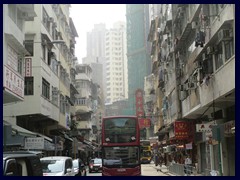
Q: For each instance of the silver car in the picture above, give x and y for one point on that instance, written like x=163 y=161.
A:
x=57 y=166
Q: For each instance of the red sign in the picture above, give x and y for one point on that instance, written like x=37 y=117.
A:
x=182 y=130
x=139 y=103
x=28 y=67
x=143 y=123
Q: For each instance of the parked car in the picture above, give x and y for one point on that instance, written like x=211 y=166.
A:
x=57 y=166
x=79 y=167
x=21 y=163
x=95 y=165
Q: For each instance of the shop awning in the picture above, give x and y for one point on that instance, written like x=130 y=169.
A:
x=45 y=137
x=19 y=130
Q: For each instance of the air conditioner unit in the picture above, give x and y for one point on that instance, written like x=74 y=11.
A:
x=179 y=72
x=50 y=19
x=55 y=89
x=54 y=24
x=225 y=35
x=194 y=25
x=24 y=15
x=210 y=50
x=182 y=95
x=191 y=85
x=59 y=33
x=176 y=56
x=198 y=64
x=182 y=87
x=44 y=42
x=204 y=56
x=180 y=10
x=194 y=78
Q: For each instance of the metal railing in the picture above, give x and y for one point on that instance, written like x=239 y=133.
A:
x=181 y=170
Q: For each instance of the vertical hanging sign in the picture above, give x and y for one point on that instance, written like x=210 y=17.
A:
x=139 y=106
x=28 y=67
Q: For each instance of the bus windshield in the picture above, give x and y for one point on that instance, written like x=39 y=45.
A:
x=120 y=130
x=121 y=156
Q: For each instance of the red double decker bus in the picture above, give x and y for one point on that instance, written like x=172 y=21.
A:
x=121 y=146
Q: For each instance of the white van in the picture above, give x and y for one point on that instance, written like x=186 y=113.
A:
x=57 y=166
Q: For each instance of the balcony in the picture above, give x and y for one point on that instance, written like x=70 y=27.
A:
x=28 y=12
x=83 y=105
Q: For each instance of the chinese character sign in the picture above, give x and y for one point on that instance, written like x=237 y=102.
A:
x=143 y=123
x=34 y=143
x=139 y=103
x=13 y=82
x=182 y=130
x=28 y=67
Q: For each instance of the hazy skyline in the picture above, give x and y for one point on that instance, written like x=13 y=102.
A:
x=86 y=15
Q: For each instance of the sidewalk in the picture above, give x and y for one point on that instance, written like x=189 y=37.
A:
x=164 y=169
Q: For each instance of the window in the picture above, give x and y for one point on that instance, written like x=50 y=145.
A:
x=29 y=46
x=12 y=12
x=62 y=104
x=50 y=55
x=19 y=20
x=45 y=20
x=45 y=89
x=228 y=47
x=44 y=52
x=219 y=57
x=208 y=65
x=20 y=65
x=54 y=66
x=55 y=96
x=16 y=15
x=28 y=86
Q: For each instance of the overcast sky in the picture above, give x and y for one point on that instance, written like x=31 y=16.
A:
x=86 y=15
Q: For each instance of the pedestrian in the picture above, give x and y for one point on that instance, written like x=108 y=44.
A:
x=187 y=166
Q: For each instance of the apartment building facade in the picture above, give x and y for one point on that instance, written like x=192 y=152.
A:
x=193 y=51
x=14 y=19
x=48 y=75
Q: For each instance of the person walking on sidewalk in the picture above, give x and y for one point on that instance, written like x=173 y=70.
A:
x=187 y=166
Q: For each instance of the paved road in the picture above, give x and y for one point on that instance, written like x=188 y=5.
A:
x=147 y=170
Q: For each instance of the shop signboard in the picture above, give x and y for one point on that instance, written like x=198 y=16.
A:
x=144 y=123
x=188 y=146
x=34 y=143
x=182 y=130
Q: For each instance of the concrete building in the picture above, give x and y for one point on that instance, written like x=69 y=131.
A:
x=96 y=52
x=83 y=99
x=116 y=63
x=49 y=75
x=195 y=58
x=14 y=19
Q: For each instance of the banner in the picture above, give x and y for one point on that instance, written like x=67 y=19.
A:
x=139 y=103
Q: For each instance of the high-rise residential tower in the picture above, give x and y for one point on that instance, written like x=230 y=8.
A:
x=116 y=63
